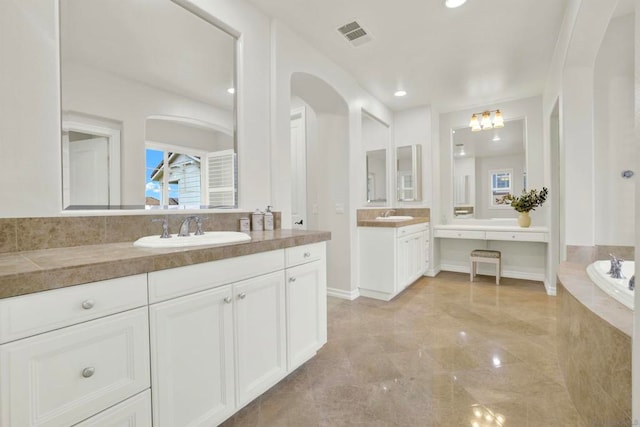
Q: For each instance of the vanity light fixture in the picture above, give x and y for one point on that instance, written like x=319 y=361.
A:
x=454 y=3
x=400 y=93
x=486 y=123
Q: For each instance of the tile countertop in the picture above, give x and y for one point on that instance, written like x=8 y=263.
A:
x=391 y=223
x=40 y=270
x=574 y=279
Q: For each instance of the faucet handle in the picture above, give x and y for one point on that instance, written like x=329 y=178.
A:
x=165 y=227
x=199 y=231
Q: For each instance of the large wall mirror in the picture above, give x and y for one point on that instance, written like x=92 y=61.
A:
x=148 y=111
x=375 y=140
x=486 y=165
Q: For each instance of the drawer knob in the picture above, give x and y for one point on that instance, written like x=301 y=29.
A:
x=88 y=304
x=242 y=295
x=228 y=300
x=88 y=372
x=307 y=254
x=292 y=279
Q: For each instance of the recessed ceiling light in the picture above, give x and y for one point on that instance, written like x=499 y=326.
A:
x=231 y=90
x=454 y=3
x=400 y=93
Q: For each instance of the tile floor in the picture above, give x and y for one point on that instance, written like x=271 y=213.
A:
x=443 y=353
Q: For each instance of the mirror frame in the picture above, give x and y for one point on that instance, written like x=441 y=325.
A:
x=226 y=29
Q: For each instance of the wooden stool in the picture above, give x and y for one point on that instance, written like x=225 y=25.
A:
x=485 y=255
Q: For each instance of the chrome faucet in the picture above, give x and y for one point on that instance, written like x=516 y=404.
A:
x=388 y=213
x=632 y=283
x=165 y=227
x=184 y=227
x=616 y=268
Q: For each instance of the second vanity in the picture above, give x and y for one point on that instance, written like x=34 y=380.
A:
x=186 y=345
x=393 y=254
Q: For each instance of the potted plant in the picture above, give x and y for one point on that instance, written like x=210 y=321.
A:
x=526 y=202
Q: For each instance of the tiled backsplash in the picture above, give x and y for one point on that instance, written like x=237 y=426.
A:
x=587 y=254
x=368 y=214
x=26 y=234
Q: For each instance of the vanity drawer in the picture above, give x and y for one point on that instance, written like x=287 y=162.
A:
x=302 y=254
x=517 y=236
x=175 y=282
x=460 y=234
x=65 y=376
x=135 y=411
x=410 y=229
x=28 y=315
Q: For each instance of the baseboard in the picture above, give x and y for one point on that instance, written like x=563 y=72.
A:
x=432 y=272
x=512 y=274
x=551 y=289
x=341 y=293
x=384 y=296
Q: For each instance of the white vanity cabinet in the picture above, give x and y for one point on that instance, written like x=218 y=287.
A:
x=306 y=287
x=96 y=357
x=215 y=350
x=391 y=258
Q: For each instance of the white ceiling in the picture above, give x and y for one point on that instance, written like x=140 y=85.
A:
x=482 y=52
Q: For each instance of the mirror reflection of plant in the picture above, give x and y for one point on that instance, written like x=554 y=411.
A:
x=527 y=201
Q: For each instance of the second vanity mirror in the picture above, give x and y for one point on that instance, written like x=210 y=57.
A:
x=409 y=173
x=148 y=111
x=375 y=139
x=487 y=164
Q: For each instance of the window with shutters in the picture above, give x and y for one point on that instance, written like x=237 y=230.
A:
x=189 y=179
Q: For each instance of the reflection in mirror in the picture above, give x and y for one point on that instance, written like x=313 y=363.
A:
x=377 y=176
x=166 y=86
x=487 y=165
x=409 y=173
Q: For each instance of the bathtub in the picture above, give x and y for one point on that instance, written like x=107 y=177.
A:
x=618 y=289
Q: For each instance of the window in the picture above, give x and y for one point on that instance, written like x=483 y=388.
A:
x=501 y=184
x=188 y=178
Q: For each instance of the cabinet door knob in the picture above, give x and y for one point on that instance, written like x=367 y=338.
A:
x=242 y=295
x=88 y=372
x=228 y=300
x=307 y=254
x=292 y=279
x=88 y=304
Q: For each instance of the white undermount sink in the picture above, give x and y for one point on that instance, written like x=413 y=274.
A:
x=208 y=238
x=394 y=218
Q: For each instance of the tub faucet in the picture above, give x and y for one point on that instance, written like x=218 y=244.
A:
x=184 y=227
x=632 y=282
x=388 y=213
x=165 y=227
x=616 y=269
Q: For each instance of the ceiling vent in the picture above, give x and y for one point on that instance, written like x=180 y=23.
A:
x=355 y=34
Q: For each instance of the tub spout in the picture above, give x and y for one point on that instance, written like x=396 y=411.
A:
x=632 y=282
x=616 y=268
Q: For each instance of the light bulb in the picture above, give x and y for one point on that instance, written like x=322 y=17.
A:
x=498 y=122
x=474 y=123
x=486 y=121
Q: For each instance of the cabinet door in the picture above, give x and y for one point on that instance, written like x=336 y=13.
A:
x=63 y=377
x=260 y=334
x=192 y=361
x=410 y=264
x=306 y=312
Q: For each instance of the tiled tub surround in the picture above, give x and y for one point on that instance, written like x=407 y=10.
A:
x=585 y=255
x=367 y=217
x=27 y=234
x=594 y=348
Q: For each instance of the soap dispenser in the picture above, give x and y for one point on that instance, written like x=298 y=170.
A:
x=257 y=220
x=268 y=219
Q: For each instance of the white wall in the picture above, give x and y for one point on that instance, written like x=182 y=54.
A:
x=292 y=55
x=614 y=140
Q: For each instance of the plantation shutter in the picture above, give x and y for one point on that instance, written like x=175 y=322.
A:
x=221 y=173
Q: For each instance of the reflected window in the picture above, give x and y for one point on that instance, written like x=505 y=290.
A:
x=501 y=185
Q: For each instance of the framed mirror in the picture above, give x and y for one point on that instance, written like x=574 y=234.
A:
x=487 y=165
x=148 y=111
x=377 y=176
x=409 y=173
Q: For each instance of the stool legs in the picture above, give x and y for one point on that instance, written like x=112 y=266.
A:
x=473 y=267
